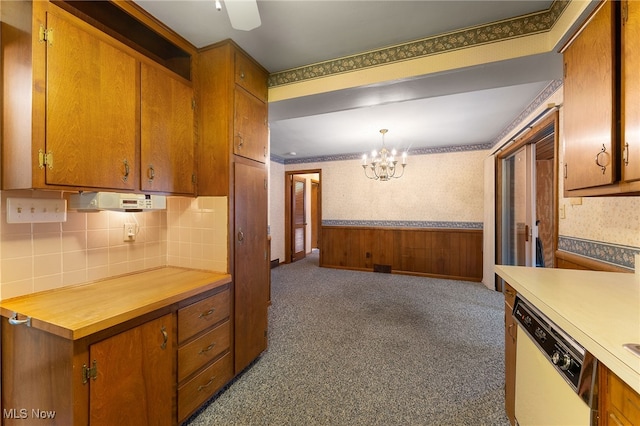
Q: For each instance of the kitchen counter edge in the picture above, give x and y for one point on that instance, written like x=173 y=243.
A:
x=74 y=312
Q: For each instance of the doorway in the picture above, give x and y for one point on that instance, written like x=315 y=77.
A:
x=526 y=223
x=303 y=213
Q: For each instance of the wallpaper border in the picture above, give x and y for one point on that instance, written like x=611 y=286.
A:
x=614 y=254
x=358 y=156
x=494 y=32
x=403 y=224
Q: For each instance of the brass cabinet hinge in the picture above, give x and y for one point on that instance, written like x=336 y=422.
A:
x=45 y=159
x=265 y=184
x=194 y=179
x=193 y=103
x=89 y=372
x=45 y=34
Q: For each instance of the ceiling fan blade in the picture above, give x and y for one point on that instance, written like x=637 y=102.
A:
x=243 y=14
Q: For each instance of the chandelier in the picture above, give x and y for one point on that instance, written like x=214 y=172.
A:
x=382 y=165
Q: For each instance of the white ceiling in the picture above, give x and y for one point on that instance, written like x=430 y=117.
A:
x=465 y=106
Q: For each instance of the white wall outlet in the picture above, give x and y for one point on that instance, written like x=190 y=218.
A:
x=36 y=210
x=130 y=231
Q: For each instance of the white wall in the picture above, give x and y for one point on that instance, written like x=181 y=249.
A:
x=276 y=210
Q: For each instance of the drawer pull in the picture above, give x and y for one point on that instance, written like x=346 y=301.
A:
x=207 y=349
x=602 y=166
x=206 y=384
x=15 y=321
x=613 y=417
x=165 y=337
x=206 y=314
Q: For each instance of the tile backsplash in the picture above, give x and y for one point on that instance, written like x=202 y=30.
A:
x=191 y=233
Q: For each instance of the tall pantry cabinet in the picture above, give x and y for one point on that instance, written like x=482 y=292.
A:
x=232 y=154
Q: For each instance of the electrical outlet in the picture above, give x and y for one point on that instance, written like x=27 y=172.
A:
x=130 y=232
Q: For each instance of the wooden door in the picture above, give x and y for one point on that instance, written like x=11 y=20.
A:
x=167 y=136
x=631 y=91
x=298 y=219
x=135 y=383
x=315 y=214
x=91 y=108
x=251 y=267
x=590 y=104
x=250 y=126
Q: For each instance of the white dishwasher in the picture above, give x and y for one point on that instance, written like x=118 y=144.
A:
x=555 y=376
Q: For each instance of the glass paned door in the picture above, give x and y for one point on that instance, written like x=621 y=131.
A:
x=518 y=205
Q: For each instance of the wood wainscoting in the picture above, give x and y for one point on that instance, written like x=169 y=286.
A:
x=566 y=260
x=435 y=252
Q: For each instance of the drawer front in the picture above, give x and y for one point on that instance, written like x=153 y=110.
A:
x=203 y=314
x=203 y=386
x=251 y=77
x=199 y=352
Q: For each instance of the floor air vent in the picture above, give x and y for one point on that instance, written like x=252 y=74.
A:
x=386 y=269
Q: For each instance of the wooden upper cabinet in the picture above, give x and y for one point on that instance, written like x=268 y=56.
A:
x=251 y=77
x=231 y=115
x=250 y=126
x=590 y=104
x=91 y=127
x=630 y=91
x=72 y=101
x=167 y=139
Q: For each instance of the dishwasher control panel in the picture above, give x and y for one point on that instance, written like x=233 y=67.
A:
x=563 y=352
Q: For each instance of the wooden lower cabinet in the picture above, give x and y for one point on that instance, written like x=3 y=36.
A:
x=619 y=403
x=55 y=381
x=133 y=372
x=156 y=367
x=510 y=336
x=205 y=363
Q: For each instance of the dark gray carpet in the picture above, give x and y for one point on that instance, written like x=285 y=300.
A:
x=363 y=348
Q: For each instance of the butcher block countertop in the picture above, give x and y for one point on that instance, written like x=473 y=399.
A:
x=75 y=312
x=600 y=310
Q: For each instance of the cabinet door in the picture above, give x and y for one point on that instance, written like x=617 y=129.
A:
x=510 y=330
x=135 y=381
x=251 y=77
x=250 y=126
x=250 y=278
x=631 y=91
x=91 y=108
x=167 y=122
x=589 y=104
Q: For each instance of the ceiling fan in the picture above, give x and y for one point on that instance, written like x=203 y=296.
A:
x=243 y=14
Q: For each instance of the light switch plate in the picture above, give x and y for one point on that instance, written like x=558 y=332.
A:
x=36 y=210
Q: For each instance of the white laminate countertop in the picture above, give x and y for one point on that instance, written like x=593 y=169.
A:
x=600 y=310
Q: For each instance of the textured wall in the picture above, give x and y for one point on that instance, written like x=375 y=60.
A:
x=436 y=187
x=603 y=228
